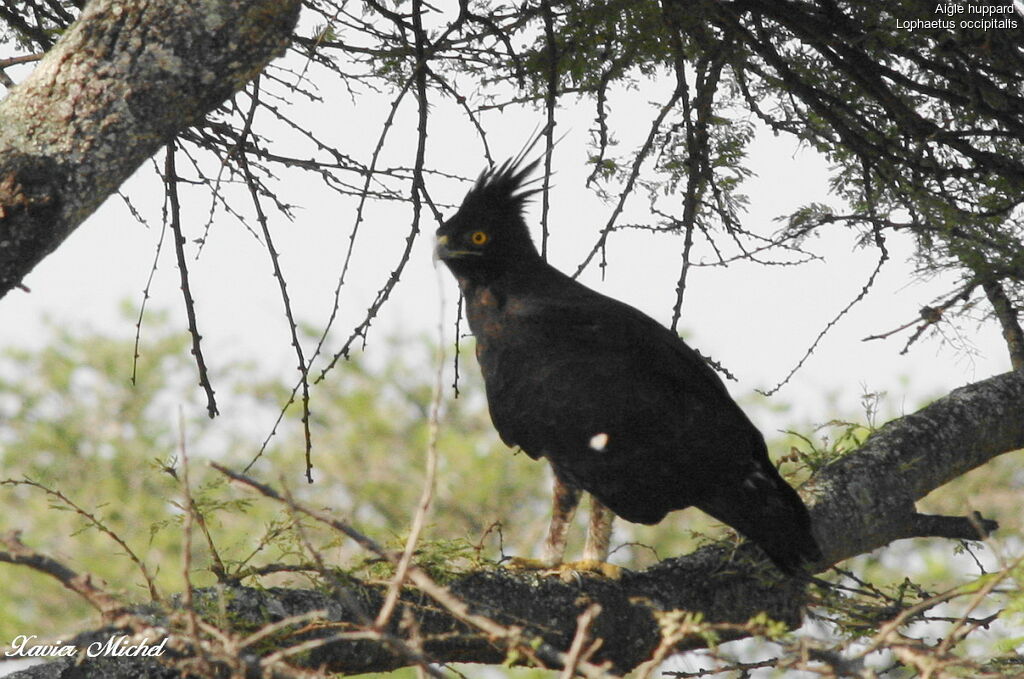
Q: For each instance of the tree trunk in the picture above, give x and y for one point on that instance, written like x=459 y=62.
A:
x=120 y=83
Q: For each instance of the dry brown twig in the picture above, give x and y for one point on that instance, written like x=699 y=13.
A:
x=674 y=627
x=370 y=631
x=190 y=511
x=429 y=481
x=511 y=637
x=579 y=650
x=79 y=583
x=154 y=594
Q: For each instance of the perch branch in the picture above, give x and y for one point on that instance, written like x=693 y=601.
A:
x=859 y=502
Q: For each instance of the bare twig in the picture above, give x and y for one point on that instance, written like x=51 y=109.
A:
x=429 y=481
x=882 y=259
x=580 y=650
x=275 y=261
x=145 y=290
x=81 y=584
x=928 y=316
x=23 y=59
x=100 y=525
x=369 y=631
x=171 y=187
x=634 y=173
x=186 y=552
x=510 y=636
x=550 y=100
x=709 y=70
x=674 y=627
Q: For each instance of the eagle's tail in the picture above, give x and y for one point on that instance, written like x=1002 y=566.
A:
x=766 y=509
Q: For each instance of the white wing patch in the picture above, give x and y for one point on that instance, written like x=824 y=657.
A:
x=599 y=442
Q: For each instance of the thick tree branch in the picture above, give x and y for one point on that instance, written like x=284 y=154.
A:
x=972 y=527
x=866 y=499
x=860 y=502
x=117 y=86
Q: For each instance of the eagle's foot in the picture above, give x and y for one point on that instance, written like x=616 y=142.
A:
x=521 y=563
x=567 y=571
x=573 y=569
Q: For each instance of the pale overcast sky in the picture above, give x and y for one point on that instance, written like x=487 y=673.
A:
x=758 y=321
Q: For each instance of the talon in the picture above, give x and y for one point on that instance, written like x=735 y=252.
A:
x=594 y=567
x=519 y=563
x=568 y=571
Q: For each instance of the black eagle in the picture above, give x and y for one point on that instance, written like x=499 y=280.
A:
x=619 y=405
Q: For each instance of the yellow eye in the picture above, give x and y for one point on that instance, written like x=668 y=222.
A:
x=478 y=237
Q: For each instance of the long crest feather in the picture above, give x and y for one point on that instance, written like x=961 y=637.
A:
x=505 y=186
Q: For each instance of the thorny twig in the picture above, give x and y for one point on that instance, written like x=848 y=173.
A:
x=513 y=637
x=709 y=71
x=154 y=594
x=429 y=483
x=145 y=289
x=865 y=289
x=641 y=155
x=550 y=100
x=81 y=584
x=929 y=315
x=171 y=187
x=261 y=217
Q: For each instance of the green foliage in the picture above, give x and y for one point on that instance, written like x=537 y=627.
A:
x=73 y=422
x=618 y=39
x=834 y=439
x=443 y=560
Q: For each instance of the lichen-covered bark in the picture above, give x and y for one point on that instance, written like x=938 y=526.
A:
x=858 y=503
x=545 y=608
x=117 y=86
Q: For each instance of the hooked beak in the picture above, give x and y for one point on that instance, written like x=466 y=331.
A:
x=444 y=253
x=441 y=251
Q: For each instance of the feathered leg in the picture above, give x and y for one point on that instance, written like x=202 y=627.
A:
x=595 y=551
x=599 y=532
x=563 y=509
